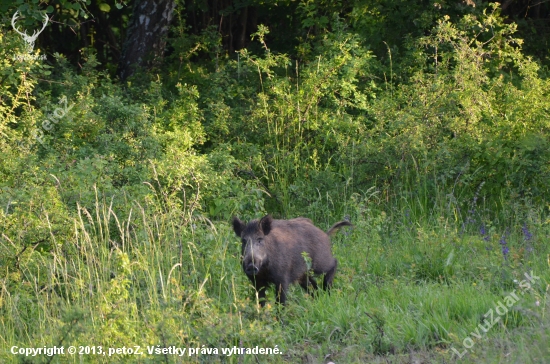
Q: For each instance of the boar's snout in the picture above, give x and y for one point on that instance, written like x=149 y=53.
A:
x=251 y=269
x=251 y=266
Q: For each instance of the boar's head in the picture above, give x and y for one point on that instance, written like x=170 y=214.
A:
x=254 y=241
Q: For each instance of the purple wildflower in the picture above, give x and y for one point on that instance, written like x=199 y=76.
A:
x=527 y=237
x=504 y=244
x=470 y=218
x=505 y=251
x=485 y=235
x=483 y=232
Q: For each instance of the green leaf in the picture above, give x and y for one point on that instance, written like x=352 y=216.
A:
x=104 y=7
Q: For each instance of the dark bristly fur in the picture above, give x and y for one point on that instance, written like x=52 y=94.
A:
x=272 y=253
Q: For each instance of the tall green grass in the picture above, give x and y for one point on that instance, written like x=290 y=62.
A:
x=412 y=281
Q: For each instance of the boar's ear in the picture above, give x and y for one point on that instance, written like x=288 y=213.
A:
x=265 y=224
x=238 y=226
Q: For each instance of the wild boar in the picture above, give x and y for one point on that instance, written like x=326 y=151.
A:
x=272 y=253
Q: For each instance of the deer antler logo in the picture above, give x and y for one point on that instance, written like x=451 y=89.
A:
x=30 y=39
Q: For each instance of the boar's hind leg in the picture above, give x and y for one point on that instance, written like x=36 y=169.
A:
x=329 y=276
x=308 y=282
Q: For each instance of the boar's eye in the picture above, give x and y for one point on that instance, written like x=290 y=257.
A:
x=259 y=240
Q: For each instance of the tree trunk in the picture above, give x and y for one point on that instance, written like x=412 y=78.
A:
x=146 y=37
x=241 y=41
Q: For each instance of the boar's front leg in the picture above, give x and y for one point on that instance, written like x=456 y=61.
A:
x=280 y=293
x=260 y=287
x=261 y=295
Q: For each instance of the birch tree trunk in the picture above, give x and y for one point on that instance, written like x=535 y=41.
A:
x=146 y=37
